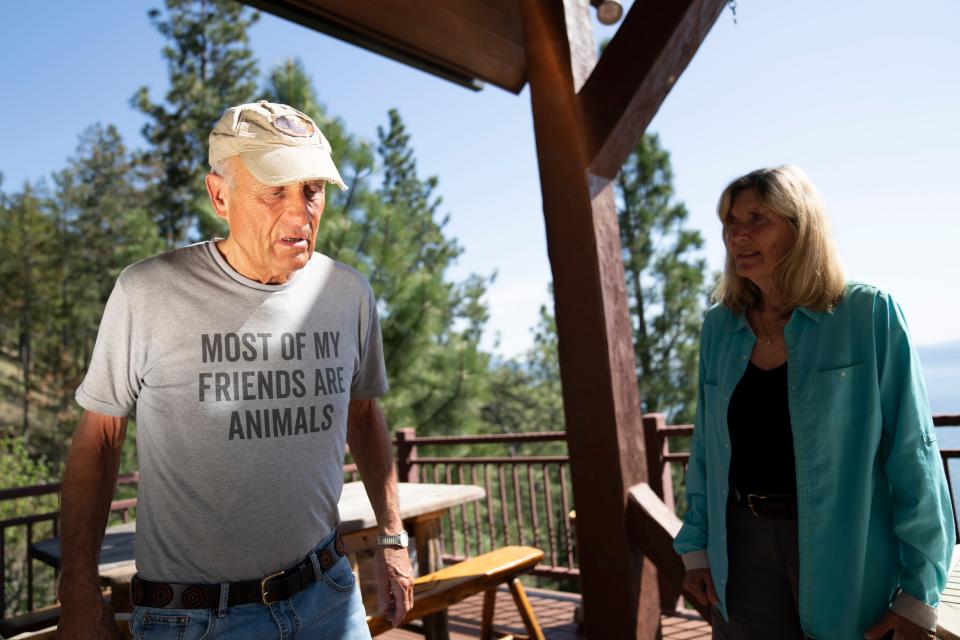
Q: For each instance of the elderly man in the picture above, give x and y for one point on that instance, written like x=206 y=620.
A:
x=250 y=361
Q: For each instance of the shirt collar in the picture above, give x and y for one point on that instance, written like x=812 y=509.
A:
x=733 y=322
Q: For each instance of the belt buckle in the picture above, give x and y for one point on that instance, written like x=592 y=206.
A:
x=263 y=586
x=750 y=503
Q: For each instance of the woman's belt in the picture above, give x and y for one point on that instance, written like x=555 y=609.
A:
x=777 y=506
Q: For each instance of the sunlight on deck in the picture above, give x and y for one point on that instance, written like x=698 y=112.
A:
x=554 y=611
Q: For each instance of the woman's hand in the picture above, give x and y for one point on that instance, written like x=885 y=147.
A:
x=699 y=583
x=892 y=621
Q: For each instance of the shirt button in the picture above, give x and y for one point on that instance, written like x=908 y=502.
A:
x=726 y=445
x=743 y=357
x=843 y=374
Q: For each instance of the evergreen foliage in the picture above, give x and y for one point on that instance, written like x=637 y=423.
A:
x=665 y=277
x=28 y=255
x=525 y=393
x=60 y=251
x=20 y=469
x=210 y=66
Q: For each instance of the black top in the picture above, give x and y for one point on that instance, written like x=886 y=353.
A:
x=761 y=440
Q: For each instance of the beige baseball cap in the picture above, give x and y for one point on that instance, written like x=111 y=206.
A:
x=278 y=144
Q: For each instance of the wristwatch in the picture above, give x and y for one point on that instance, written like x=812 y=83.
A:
x=396 y=540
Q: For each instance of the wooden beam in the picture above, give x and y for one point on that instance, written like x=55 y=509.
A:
x=318 y=19
x=601 y=402
x=652 y=47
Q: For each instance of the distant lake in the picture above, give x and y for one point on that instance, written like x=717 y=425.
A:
x=941 y=368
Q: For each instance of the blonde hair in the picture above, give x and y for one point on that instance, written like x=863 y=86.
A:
x=810 y=274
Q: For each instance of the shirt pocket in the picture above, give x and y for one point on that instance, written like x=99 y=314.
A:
x=837 y=392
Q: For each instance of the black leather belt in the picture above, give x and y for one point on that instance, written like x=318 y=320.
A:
x=273 y=588
x=768 y=505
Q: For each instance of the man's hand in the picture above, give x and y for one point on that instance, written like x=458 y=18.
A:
x=699 y=583
x=902 y=629
x=394 y=583
x=87 y=619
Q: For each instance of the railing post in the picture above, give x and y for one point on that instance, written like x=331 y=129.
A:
x=407 y=470
x=658 y=473
x=3 y=572
x=660 y=481
x=29 y=567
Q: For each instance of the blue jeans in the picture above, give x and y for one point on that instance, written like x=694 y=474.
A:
x=330 y=609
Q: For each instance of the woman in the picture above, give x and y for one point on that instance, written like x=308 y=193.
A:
x=817 y=502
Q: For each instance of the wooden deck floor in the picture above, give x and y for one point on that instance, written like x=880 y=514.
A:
x=554 y=610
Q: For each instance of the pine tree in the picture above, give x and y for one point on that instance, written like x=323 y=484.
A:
x=29 y=255
x=665 y=281
x=431 y=326
x=102 y=227
x=211 y=67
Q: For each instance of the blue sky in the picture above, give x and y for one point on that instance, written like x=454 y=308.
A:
x=865 y=96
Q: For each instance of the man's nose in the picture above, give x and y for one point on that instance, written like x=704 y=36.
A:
x=298 y=209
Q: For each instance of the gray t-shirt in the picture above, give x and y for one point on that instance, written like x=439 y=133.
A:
x=241 y=393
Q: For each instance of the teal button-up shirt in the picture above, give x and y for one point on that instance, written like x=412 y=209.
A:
x=874 y=513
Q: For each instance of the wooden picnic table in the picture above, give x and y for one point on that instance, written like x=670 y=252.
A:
x=422 y=505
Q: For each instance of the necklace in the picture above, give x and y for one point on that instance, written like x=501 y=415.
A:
x=764 y=325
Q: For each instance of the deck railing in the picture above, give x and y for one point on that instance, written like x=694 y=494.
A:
x=946 y=455
x=43 y=525
x=529 y=495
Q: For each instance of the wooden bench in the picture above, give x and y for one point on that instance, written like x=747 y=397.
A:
x=436 y=591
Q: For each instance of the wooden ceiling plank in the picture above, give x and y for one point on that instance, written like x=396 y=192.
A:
x=650 y=50
x=437 y=35
x=319 y=21
x=477 y=31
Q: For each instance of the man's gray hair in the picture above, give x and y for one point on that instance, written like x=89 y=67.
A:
x=224 y=169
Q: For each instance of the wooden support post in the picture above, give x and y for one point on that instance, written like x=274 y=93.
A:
x=598 y=374
x=407 y=469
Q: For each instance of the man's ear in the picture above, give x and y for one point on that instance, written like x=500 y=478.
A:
x=219 y=192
